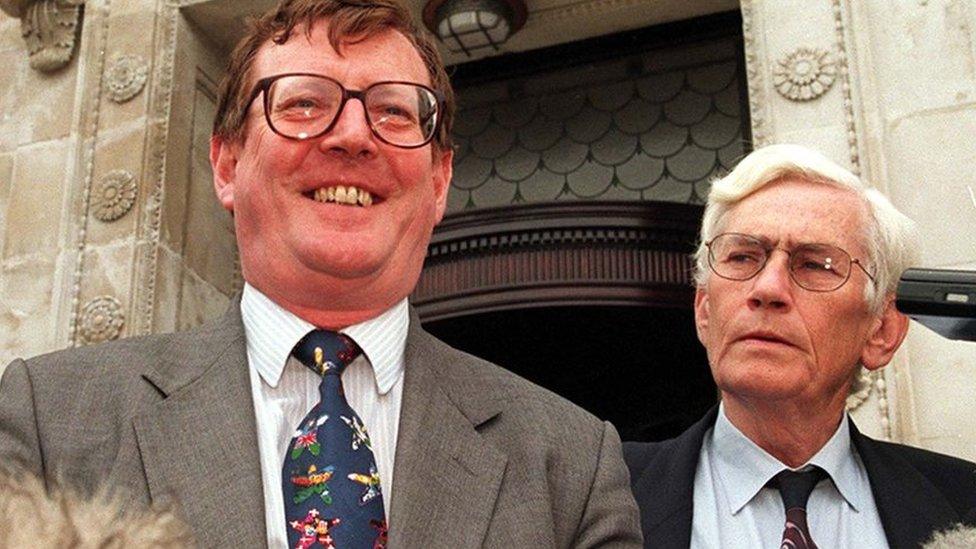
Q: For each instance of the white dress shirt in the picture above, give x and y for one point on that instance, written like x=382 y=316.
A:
x=734 y=508
x=284 y=390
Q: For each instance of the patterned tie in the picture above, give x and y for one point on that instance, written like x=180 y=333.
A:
x=331 y=487
x=795 y=488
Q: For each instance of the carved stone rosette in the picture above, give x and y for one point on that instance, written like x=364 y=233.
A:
x=50 y=29
x=125 y=77
x=805 y=74
x=113 y=195
x=101 y=320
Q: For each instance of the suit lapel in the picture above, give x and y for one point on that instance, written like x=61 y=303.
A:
x=446 y=476
x=666 y=488
x=910 y=507
x=199 y=445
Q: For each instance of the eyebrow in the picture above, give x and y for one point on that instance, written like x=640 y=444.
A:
x=790 y=244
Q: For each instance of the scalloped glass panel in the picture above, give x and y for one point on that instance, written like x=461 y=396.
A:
x=652 y=126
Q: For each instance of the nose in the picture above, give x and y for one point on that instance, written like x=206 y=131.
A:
x=772 y=288
x=350 y=136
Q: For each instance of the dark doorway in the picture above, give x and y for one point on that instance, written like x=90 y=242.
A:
x=638 y=367
x=579 y=175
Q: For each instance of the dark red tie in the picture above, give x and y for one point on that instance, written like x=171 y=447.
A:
x=795 y=488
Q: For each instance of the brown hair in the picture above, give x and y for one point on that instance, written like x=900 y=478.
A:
x=349 y=21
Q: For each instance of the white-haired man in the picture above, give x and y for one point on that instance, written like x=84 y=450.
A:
x=796 y=274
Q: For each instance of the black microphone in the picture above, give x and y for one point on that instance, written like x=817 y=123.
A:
x=942 y=300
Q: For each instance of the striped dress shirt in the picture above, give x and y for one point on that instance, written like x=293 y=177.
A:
x=284 y=390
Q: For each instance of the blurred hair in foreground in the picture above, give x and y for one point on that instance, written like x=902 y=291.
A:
x=32 y=516
x=959 y=537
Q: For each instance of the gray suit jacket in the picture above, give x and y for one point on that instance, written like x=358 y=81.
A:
x=484 y=458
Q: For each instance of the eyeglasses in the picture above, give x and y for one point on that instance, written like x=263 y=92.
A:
x=814 y=267
x=304 y=106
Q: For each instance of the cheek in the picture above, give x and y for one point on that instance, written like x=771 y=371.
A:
x=418 y=221
x=720 y=312
x=413 y=171
x=270 y=177
x=838 y=342
x=417 y=186
x=834 y=327
x=273 y=156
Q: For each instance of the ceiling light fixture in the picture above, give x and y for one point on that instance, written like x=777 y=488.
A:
x=465 y=26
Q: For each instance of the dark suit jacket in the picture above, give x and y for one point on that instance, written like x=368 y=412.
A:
x=916 y=491
x=484 y=458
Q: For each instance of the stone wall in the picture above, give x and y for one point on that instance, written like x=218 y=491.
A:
x=889 y=90
x=108 y=227
x=38 y=143
x=916 y=67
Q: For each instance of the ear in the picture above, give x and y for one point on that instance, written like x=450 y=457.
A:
x=887 y=333
x=701 y=313
x=443 y=171
x=223 y=160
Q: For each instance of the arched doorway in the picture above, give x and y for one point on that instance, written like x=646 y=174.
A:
x=638 y=367
x=579 y=176
x=590 y=300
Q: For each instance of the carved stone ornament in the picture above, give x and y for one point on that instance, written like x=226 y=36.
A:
x=860 y=389
x=113 y=195
x=805 y=74
x=101 y=320
x=50 y=29
x=125 y=77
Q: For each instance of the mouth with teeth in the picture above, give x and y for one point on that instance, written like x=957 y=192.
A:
x=340 y=194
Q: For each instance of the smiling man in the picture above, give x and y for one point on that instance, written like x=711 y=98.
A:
x=796 y=274
x=317 y=412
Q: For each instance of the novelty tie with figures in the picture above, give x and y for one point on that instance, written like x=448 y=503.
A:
x=331 y=486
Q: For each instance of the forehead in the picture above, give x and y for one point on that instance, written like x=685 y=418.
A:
x=797 y=211
x=383 y=55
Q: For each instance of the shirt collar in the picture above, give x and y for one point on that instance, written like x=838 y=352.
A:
x=747 y=467
x=840 y=460
x=272 y=332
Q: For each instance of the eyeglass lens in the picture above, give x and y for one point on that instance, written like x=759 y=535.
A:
x=813 y=266
x=305 y=106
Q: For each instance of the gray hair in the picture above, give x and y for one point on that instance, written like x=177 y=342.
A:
x=890 y=237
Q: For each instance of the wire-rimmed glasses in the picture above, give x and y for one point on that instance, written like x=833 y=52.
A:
x=815 y=267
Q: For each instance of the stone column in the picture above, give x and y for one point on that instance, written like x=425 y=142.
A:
x=916 y=67
x=889 y=90
x=40 y=119
x=110 y=225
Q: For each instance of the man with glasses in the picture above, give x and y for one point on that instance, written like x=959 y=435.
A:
x=796 y=274
x=317 y=412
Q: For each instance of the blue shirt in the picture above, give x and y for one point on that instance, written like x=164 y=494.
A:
x=734 y=508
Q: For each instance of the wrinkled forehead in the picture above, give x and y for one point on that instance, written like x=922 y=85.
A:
x=383 y=54
x=794 y=211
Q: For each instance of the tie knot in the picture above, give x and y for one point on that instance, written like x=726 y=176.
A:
x=326 y=352
x=795 y=486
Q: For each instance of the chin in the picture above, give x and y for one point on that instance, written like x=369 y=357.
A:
x=760 y=381
x=343 y=257
x=763 y=393
x=344 y=268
